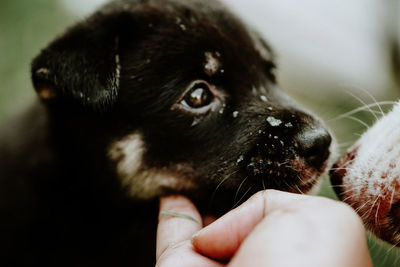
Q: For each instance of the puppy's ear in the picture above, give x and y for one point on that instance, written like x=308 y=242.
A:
x=82 y=65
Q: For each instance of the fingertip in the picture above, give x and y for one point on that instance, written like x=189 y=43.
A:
x=221 y=239
x=194 y=240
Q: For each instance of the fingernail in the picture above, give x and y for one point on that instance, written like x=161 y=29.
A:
x=196 y=235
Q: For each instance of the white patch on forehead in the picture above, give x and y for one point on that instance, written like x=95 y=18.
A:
x=212 y=63
x=141 y=182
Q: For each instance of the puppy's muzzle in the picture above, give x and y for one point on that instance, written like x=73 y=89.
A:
x=290 y=151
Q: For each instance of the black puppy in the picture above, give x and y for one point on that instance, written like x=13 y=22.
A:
x=143 y=99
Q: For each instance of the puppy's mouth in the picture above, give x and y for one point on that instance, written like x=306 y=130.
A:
x=293 y=175
x=374 y=195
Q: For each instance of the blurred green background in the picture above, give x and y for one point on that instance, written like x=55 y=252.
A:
x=27 y=26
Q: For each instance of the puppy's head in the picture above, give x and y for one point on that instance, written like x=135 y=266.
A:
x=368 y=177
x=189 y=99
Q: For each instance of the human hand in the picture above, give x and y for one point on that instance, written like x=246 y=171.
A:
x=272 y=228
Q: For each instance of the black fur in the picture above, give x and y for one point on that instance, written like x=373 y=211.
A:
x=61 y=200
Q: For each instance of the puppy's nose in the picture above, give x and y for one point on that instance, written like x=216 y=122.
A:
x=313 y=144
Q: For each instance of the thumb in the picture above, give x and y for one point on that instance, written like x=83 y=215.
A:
x=221 y=239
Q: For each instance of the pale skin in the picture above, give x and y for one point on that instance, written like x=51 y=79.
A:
x=272 y=228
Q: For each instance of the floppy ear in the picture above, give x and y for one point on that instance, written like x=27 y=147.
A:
x=82 y=65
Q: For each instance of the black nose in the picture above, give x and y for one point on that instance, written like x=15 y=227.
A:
x=313 y=144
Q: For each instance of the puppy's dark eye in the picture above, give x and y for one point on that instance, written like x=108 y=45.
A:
x=200 y=98
x=198 y=95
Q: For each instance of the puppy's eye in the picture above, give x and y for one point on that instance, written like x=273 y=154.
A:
x=200 y=98
x=198 y=95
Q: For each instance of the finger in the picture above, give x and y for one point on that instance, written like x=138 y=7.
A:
x=183 y=255
x=319 y=232
x=221 y=239
x=173 y=229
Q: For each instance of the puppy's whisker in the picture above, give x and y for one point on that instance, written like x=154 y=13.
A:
x=361 y=207
x=376 y=112
x=301 y=180
x=344 y=115
x=351 y=190
x=344 y=186
x=283 y=163
x=344 y=144
x=391 y=248
x=290 y=188
x=392 y=196
x=297 y=187
x=290 y=167
x=372 y=206
x=349 y=162
x=348 y=197
x=223 y=180
x=242 y=197
x=219 y=185
x=357 y=134
x=363 y=103
x=371 y=96
x=358 y=120
x=341 y=169
x=377 y=211
x=355 y=187
x=364 y=216
x=238 y=190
